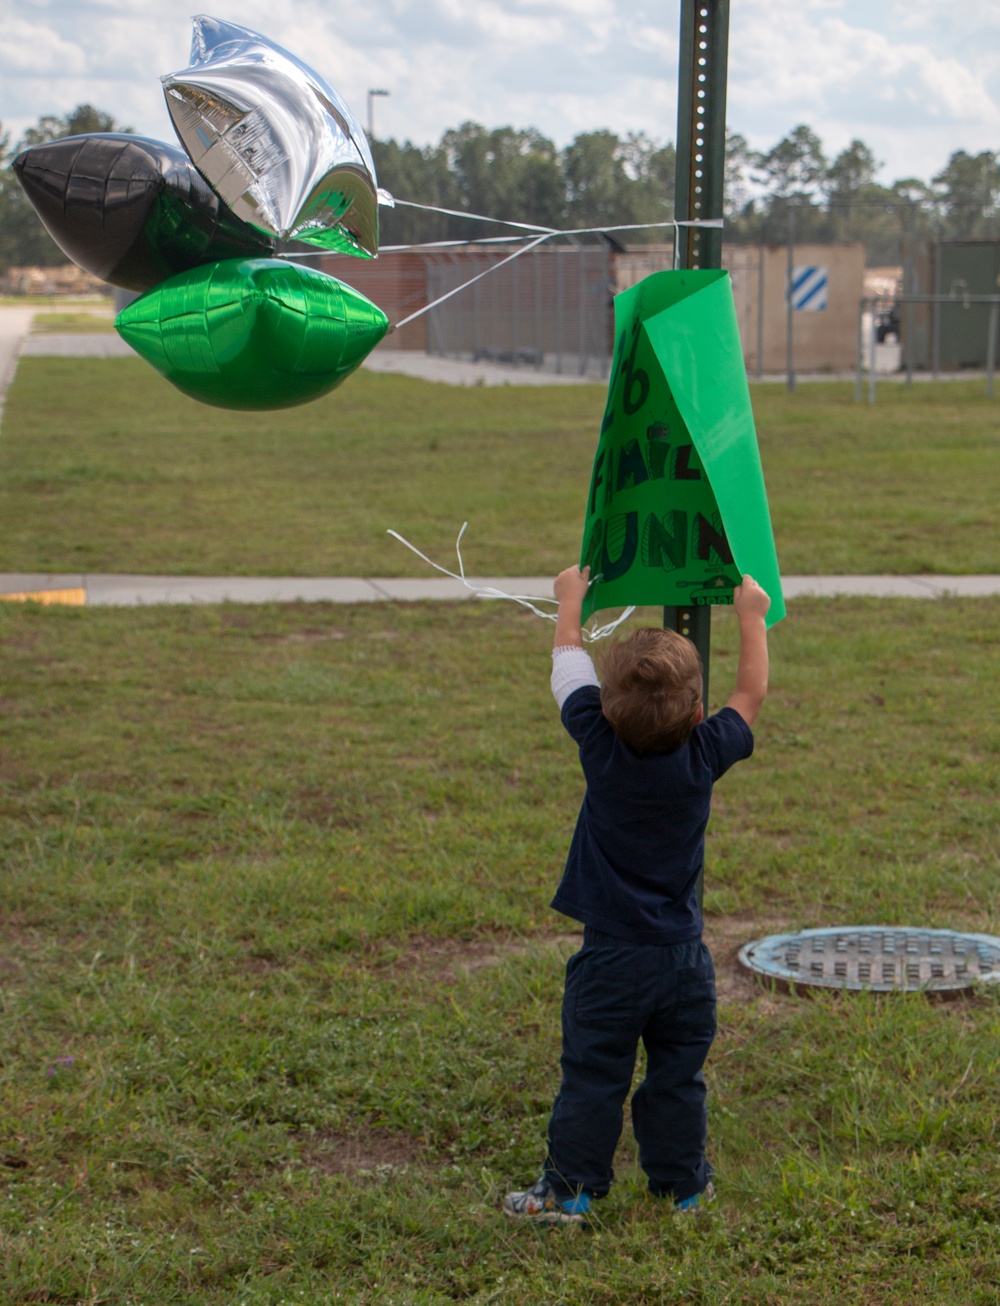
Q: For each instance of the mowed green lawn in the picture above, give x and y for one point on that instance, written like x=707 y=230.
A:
x=279 y=986
x=105 y=467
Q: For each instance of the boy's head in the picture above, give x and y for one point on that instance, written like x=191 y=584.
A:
x=652 y=689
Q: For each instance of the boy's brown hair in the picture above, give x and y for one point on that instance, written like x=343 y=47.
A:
x=651 y=689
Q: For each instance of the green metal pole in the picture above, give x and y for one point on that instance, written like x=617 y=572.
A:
x=789 y=307
x=701 y=176
x=699 y=192
x=701 y=129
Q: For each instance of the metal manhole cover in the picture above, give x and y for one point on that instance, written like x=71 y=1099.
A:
x=882 y=958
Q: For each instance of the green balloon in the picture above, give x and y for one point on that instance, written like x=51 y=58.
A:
x=253 y=333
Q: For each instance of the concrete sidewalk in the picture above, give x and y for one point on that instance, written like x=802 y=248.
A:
x=431 y=367
x=128 y=591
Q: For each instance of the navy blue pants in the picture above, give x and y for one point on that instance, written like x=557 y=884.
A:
x=617 y=994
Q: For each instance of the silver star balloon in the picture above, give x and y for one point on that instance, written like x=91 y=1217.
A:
x=275 y=142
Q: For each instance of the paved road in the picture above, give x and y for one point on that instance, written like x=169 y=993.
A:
x=126 y=591
x=450 y=371
x=76 y=344
x=15 y=323
x=427 y=367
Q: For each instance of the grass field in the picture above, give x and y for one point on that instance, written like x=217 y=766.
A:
x=105 y=467
x=279 y=986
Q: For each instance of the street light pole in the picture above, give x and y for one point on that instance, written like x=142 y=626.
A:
x=371 y=111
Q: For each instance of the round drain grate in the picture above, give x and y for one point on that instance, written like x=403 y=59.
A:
x=882 y=958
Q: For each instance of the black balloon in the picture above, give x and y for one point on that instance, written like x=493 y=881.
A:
x=130 y=210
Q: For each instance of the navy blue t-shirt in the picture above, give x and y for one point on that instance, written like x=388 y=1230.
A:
x=639 y=842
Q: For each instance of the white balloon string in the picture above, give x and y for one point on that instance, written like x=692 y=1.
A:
x=547 y=232
x=451 y=244
x=475 y=217
x=494 y=267
x=716 y=223
x=526 y=601
x=595 y=633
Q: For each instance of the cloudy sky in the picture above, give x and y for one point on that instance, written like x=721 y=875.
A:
x=915 y=79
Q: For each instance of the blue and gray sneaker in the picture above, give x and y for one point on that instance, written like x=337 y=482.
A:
x=541 y=1205
x=697 y=1201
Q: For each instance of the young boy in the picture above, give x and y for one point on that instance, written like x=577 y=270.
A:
x=631 y=877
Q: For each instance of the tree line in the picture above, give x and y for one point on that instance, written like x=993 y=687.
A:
x=601 y=179
x=840 y=200
x=24 y=242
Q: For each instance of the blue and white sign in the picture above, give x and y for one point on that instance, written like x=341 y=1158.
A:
x=809 y=289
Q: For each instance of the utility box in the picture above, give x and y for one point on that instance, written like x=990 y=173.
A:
x=958 y=332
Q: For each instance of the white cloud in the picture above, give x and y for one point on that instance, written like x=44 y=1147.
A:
x=32 y=49
x=916 y=79
x=846 y=78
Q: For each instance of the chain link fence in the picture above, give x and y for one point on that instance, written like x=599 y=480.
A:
x=550 y=309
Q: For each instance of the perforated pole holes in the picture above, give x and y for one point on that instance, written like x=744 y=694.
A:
x=697 y=207
x=879 y=958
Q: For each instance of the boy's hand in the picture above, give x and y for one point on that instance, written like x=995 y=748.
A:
x=750 y=600
x=751 y=603
x=570 y=588
x=571 y=585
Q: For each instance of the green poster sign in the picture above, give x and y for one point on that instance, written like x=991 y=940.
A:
x=677 y=509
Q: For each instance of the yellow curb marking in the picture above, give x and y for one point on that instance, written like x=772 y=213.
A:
x=71 y=598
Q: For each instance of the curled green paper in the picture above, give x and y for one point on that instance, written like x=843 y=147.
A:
x=253 y=333
x=677 y=510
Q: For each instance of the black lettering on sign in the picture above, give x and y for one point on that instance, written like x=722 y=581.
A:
x=710 y=543
x=598 y=480
x=619 y=359
x=622 y=535
x=658 y=436
x=609 y=478
x=682 y=469
x=631 y=466
x=664 y=540
x=635 y=391
x=609 y=412
x=592 y=553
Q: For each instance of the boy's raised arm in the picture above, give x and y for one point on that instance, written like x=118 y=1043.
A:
x=751 y=603
x=571 y=664
x=570 y=588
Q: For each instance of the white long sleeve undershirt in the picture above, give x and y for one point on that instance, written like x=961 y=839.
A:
x=571 y=669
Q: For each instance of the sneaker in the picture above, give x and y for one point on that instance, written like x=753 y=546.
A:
x=541 y=1205
x=698 y=1200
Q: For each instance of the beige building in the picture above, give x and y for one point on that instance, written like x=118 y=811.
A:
x=823 y=339
x=66 y=279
